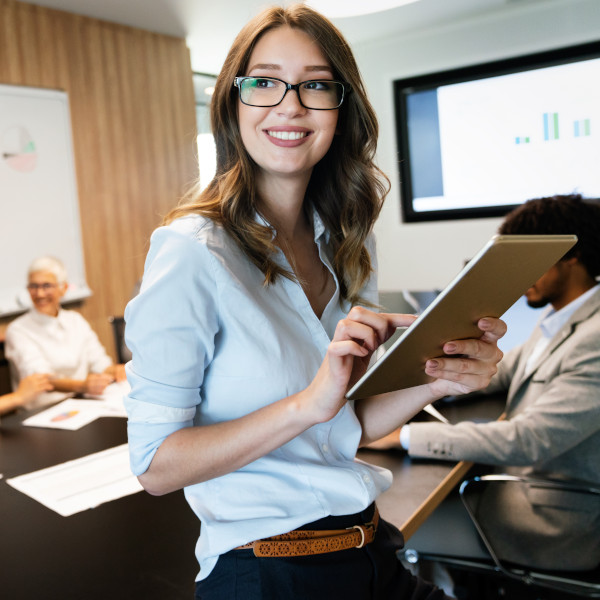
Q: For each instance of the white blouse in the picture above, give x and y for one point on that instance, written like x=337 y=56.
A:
x=65 y=346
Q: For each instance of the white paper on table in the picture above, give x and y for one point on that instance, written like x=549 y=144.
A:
x=80 y=484
x=69 y=414
x=73 y=413
x=111 y=399
x=434 y=412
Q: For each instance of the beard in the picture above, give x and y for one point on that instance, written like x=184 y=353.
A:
x=538 y=303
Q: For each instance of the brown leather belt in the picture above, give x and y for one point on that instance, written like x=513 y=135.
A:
x=302 y=542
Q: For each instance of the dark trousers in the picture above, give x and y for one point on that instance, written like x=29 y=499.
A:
x=369 y=573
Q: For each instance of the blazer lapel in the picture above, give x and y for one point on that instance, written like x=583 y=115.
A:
x=521 y=376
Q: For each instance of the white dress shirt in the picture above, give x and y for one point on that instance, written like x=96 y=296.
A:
x=211 y=343
x=552 y=322
x=65 y=346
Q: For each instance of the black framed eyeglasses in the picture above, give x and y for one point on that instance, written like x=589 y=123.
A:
x=315 y=94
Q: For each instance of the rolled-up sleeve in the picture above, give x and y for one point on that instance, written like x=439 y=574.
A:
x=170 y=328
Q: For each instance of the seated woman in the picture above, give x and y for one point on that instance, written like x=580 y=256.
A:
x=49 y=339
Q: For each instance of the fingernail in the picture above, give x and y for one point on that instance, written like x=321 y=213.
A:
x=433 y=364
x=450 y=347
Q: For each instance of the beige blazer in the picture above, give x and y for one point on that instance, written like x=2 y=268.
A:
x=552 y=430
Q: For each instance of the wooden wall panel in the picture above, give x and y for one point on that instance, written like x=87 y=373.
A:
x=134 y=134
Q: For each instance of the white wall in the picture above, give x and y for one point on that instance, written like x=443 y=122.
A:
x=427 y=255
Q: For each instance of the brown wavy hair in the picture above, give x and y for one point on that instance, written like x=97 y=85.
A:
x=346 y=187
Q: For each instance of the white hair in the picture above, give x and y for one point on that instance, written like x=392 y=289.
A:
x=50 y=264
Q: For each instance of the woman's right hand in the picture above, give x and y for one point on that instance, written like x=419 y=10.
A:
x=348 y=355
x=33 y=385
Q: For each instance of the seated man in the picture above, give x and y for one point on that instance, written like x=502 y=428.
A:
x=49 y=339
x=551 y=428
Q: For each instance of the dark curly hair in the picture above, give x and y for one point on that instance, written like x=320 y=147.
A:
x=568 y=214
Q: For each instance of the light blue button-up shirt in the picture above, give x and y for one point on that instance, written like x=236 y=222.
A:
x=211 y=343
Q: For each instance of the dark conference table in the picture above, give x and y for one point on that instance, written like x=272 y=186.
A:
x=137 y=547
x=420 y=484
x=140 y=546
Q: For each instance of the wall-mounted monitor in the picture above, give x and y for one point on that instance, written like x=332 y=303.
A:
x=477 y=141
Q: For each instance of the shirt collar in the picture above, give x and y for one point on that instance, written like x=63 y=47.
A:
x=318 y=225
x=554 y=320
x=43 y=319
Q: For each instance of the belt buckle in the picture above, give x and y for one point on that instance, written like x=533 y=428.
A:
x=362 y=529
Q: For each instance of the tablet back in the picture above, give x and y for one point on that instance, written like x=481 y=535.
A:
x=488 y=285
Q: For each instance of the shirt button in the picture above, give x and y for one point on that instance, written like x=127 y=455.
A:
x=325 y=448
x=366 y=478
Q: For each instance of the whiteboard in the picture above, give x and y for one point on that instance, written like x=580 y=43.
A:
x=38 y=192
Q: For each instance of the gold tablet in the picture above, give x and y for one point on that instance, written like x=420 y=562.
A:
x=502 y=271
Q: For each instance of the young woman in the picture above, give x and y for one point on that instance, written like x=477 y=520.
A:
x=252 y=321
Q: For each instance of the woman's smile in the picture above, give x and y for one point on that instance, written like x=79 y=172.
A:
x=295 y=135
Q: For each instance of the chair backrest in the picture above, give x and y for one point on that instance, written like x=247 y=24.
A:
x=5 y=385
x=118 y=327
x=584 y=584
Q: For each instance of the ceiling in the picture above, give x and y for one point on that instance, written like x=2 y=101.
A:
x=210 y=25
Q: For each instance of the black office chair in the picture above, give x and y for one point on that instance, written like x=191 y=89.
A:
x=5 y=384
x=118 y=327
x=583 y=584
x=482 y=578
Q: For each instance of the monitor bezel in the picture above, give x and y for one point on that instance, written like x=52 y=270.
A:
x=428 y=81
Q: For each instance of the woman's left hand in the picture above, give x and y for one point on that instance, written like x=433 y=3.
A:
x=475 y=364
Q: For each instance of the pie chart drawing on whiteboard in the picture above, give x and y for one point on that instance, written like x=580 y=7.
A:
x=17 y=149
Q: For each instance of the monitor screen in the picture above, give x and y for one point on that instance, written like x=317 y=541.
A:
x=477 y=141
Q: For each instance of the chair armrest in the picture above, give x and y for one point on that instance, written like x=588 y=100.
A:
x=567 y=485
